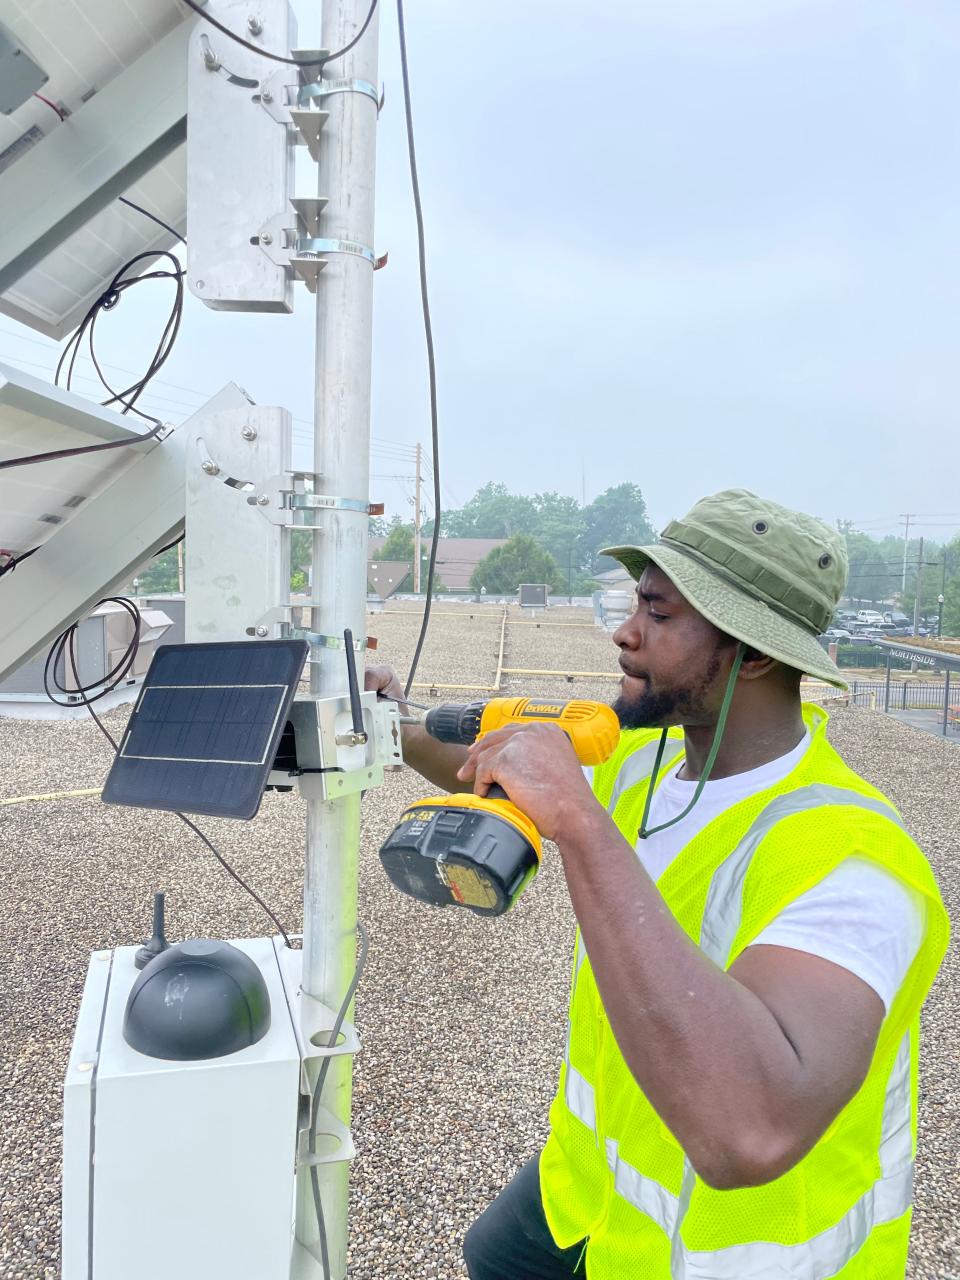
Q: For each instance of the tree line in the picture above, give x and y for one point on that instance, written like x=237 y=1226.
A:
x=552 y=538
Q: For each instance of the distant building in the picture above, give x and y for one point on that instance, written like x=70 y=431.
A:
x=456 y=559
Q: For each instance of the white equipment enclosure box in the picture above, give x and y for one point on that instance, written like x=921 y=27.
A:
x=163 y=1160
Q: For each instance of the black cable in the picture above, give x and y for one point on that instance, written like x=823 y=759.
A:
x=13 y=560
x=153 y=218
x=64 y=647
x=239 y=879
x=318 y=1090
x=73 y=453
x=169 y=547
x=107 y=301
x=277 y=57
x=52 y=105
x=431 y=359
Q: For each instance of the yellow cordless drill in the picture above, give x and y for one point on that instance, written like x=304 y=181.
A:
x=481 y=852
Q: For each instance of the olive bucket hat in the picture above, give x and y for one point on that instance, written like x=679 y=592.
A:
x=768 y=576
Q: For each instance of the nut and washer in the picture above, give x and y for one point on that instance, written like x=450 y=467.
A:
x=210 y=467
x=266 y=238
x=262 y=500
x=249 y=433
x=263 y=631
x=254 y=25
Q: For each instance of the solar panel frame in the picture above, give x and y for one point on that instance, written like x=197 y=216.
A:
x=86 y=48
x=38 y=501
x=146 y=775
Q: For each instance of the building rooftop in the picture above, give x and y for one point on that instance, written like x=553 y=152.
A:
x=447 y=999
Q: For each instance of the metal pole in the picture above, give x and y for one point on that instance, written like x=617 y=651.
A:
x=886 y=691
x=906 y=543
x=416 y=527
x=946 y=699
x=916 y=603
x=341 y=461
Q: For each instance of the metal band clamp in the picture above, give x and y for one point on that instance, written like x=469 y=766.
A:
x=325 y=88
x=318 y=641
x=313 y=501
x=312 y=246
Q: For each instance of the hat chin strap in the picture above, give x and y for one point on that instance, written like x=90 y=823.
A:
x=643 y=833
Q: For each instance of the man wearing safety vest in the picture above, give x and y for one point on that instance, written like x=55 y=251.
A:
x=757 y=934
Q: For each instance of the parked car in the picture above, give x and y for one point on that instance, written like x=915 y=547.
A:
x=871 y=617
x=896 y=619
x=874 y=633
x=839 y=634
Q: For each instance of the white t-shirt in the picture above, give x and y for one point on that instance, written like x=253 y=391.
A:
x=882 y=920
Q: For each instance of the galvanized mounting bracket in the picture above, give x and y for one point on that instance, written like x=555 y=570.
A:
x=333 y=760
x=309 y=122
x=313 y=1024
x=281 y=497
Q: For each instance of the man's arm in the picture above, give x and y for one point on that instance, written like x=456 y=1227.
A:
x=438 y=762
x=748 y=1068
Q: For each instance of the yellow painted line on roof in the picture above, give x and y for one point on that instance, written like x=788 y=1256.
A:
x=52 y=795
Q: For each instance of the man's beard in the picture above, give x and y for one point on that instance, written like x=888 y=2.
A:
x=654 y=710
x=649 y=711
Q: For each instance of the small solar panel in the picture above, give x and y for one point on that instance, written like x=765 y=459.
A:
x=205 y=730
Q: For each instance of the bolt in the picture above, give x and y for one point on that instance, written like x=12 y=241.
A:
x=266 y=238
x=263 y=631
x=254 y=25
x=266 y=96
x=262 y=500
x=199 y=284
x=249 y=433
x=210 y=467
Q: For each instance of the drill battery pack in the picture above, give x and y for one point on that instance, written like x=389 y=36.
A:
x=463 y=850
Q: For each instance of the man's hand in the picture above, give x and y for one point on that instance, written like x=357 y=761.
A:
x=537 y=768
x=387 y=684
x=438 y=762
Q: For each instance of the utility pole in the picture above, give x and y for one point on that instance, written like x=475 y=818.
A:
x=906 y=544
x=341 y=457
x=916 y=603
x=416 y=524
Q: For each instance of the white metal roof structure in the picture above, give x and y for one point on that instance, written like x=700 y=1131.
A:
x=116 y=72
x=95 y=518
x=37 y=418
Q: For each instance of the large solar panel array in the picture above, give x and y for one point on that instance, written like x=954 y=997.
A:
x=205 y=730
x=82 y=46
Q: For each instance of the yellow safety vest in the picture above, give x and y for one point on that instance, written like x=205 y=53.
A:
x=611 y=1172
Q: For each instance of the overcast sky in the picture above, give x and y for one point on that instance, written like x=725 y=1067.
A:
x=691 y=245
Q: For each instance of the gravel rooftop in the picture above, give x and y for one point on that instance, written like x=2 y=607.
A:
x=462 y=1019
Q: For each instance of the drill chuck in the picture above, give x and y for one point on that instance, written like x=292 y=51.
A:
x=455 y=722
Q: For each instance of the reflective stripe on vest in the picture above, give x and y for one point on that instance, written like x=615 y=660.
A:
x=816 y=1259
x=888 y=1199
x=721 y=916
x=638 y=766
